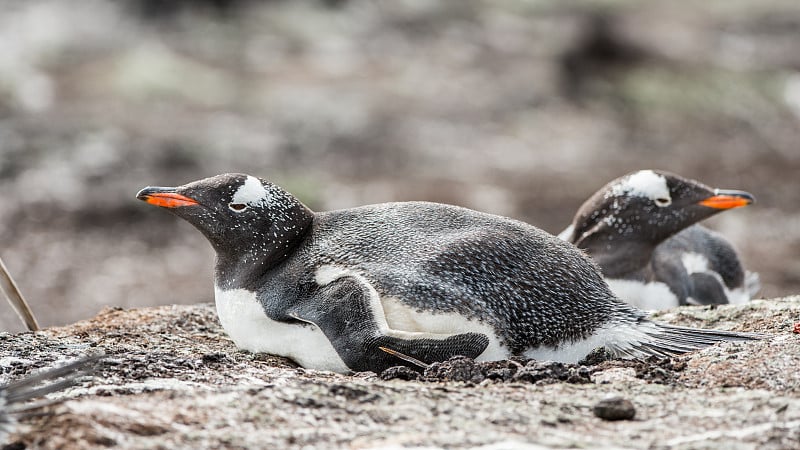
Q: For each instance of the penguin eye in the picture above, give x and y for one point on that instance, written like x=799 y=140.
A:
x=663 y=201
x=238 y=207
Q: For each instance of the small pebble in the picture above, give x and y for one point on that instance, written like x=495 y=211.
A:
x=615 y=408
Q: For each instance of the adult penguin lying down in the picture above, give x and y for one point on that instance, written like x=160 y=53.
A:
x=430 y=281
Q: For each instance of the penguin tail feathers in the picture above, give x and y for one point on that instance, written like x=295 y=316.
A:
x=662 y=340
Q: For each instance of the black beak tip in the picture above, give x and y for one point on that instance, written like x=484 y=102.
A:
x=144 y=194
x=149 y=191
x=744 y=195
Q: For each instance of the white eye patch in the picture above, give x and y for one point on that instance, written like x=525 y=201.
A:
x=644 y=183
x=250 y=193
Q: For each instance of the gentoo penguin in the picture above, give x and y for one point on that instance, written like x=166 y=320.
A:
x=14 y=396
x=428 y=281
x=641 y=230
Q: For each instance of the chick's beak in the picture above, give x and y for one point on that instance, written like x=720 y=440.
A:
x=166 y=197
x=727 y=199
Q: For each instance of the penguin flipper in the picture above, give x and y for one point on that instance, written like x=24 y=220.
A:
x=706 y=290
x=349 y=313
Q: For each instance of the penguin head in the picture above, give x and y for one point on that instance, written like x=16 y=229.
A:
x=647 y=206
x=239 y=214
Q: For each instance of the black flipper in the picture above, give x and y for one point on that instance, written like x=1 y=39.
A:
x=707 y=290
x=350 y=314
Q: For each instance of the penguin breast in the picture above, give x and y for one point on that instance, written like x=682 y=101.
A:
x=649 y=296
x=244 y=319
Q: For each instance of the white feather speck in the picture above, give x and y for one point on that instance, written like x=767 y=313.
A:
x=251 y=192
x=644 y=183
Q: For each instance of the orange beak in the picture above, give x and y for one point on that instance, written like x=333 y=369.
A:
x=727 y=199
x=165 y=197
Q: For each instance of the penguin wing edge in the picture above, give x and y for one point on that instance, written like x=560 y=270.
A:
x=348 y=311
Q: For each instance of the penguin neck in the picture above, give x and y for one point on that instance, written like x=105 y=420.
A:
x=245 y=266
x=621 y=259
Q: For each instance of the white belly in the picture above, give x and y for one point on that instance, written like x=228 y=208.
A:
x=650 y=296
x=245 y=321
x=611 y=336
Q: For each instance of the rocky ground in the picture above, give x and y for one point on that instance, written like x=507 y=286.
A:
x=172 y=379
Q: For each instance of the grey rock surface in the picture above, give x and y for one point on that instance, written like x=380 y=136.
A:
x=172 y=379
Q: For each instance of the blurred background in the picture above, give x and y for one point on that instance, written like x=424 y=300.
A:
x=520 y=108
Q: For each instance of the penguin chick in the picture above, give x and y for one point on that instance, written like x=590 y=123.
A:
x=14 y=396
x=641 y=230
x=425 y=280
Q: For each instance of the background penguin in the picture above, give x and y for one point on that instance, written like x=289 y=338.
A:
x=14 y=396
x=430 y=281
x=640 y=229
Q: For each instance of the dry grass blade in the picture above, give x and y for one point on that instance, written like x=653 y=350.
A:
x=406 y=358
x=14 y=296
